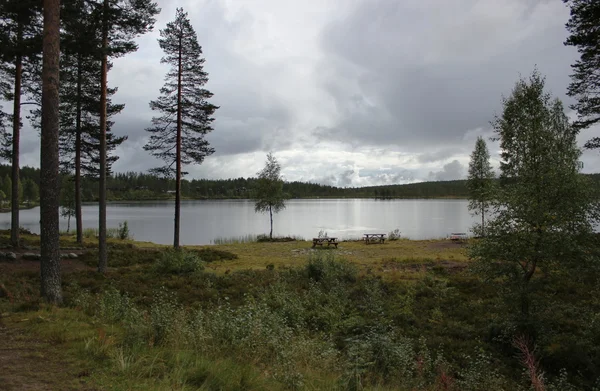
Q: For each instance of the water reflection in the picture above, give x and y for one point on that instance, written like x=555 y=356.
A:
x=202 y=221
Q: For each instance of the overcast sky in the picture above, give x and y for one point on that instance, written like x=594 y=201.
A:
x=348 y=92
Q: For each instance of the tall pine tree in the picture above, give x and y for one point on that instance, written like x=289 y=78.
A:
x=80 y=99
x=20 y=39
x=480 y=182
x=49 y=162
x=584 y=26
x=177 y=136
x=120 y=21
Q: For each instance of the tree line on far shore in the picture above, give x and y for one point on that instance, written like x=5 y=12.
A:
x=133 y=186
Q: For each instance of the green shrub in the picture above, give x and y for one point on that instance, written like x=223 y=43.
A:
x=266 y=238
x=178 y=261
x=123 y=231
x=323 y=267
x=394 y=235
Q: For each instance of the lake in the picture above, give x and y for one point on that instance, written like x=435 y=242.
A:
x=203 y=221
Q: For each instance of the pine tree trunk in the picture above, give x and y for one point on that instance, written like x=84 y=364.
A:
x=482 y=221
x=49 y=163
x=103 y=258
x=178 y=157
x=15 y=201
x=78 y=217
x=271 y=216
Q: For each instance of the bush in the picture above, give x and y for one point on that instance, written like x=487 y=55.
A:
x=266 y=238
x=123 y=231
x=394 y=235
x=322 y=267
x=178 y=261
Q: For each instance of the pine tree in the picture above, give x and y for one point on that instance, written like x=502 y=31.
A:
x=49 y=162
x=120 y=22
x=269 y=195
x=544 y=211
x=177 y=136
x=584 y=25
x=20 y=39
x=480 y=182
x=80 y=99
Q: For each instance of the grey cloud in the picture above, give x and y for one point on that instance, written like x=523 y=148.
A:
x=430 y=82
x=451 y=171
x=442 y=154
x=249 y=118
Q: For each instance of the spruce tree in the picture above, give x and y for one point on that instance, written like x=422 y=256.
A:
x=49 y=162
x=20 y=39
x=480 y=182
x=544 y=210
x=7 y=187
x=584 y=25
x=177 y=136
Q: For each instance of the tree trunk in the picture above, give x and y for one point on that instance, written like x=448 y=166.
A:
x=15 y=201
x=482 y=220
x=49 y=163
x=178 y=157
x=103 y=258
x=271 y=216
x=78 y=217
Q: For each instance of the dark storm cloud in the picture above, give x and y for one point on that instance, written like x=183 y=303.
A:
x=420 y=77
x=348 y=93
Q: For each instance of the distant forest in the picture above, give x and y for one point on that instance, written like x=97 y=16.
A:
x=138 y=186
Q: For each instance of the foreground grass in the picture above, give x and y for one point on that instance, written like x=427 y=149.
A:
x=405 y=315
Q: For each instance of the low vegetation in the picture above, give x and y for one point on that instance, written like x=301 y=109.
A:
x=406 y=315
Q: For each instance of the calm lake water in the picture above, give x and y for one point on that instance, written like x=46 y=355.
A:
x=203 y=221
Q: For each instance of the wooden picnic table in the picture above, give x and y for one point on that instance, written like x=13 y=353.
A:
x=458 y=236
x=374 y=238
x=324 y=239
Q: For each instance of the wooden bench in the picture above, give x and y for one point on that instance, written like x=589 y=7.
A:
x=322 y=240
x=374 y=238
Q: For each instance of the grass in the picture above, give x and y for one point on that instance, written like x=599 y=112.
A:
x=403 y=315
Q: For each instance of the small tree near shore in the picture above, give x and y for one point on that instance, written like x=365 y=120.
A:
x=67 y=200
x=269 y=195
x=480 y=183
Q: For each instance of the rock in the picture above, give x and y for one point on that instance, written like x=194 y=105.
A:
x=73 y=256
x=31 y=256
x=11 y=256
x=64 y=255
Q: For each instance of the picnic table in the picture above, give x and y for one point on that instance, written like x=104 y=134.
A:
x=458 y=236
x=374 y=238
x=325 y=239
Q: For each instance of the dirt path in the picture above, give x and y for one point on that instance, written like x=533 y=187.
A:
x=26 y=363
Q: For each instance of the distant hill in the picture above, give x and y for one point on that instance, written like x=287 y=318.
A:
x=140 y=186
